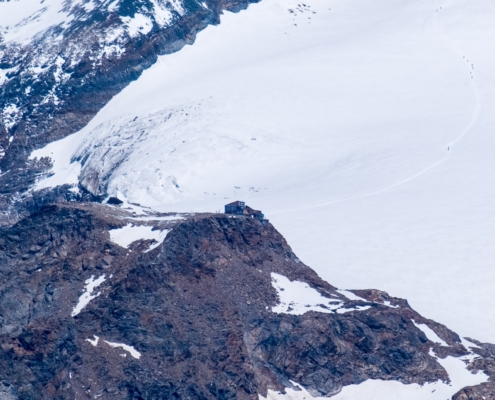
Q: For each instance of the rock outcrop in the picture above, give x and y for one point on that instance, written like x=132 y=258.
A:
x=195 y=317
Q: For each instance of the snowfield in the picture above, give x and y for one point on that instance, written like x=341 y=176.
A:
x=363 y=130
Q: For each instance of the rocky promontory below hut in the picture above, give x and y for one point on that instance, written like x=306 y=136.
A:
x=96 y=302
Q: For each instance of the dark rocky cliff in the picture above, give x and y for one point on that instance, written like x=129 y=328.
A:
x=198 y=311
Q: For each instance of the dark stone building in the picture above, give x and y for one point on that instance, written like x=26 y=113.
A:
x=240 y=208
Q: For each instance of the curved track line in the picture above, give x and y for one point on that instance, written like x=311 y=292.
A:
x=477 y=107
x=465 y=131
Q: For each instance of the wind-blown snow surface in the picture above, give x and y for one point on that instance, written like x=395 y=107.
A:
x=363 y=130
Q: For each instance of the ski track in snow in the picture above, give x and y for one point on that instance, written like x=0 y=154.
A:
x=465 y=131
x=474 y=84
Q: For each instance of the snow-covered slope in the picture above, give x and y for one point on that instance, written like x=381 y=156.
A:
x=362 y=129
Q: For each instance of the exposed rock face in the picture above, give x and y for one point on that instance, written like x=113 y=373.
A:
x=480 y=392
x=53 y=82
x=191 y=318
x=486 y=363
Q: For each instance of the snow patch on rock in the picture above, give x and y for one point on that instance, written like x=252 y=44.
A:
x=140 y=24
x=130 y=233
x=64 y=169
x=10 y=115
x=93 y=342
x=176 y=217
x=298 y=298
x=162 y=14
x=357 y=308
x=350 y=295
x=131 y=350
x=430 y=334
x=87 y=296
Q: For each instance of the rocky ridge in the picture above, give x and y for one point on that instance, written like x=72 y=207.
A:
x=195 y=314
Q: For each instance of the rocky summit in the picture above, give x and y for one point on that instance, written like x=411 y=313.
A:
x=97 y=302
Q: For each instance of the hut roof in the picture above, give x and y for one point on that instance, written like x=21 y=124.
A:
x=236 y=203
